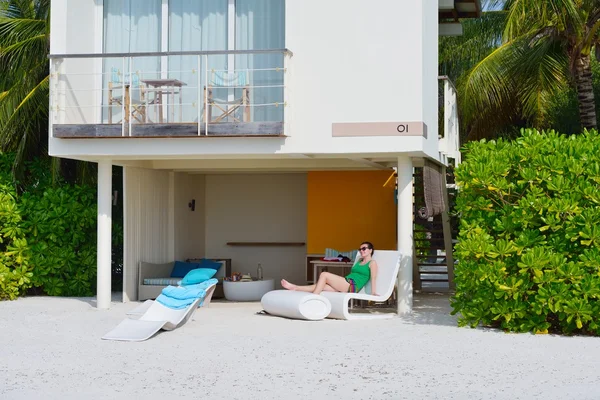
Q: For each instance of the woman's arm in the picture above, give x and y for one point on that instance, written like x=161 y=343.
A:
x=373 y=266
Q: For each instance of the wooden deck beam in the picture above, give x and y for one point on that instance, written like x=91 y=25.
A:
x=243 y=129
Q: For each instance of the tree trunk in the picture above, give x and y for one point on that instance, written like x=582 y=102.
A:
x=585 y=92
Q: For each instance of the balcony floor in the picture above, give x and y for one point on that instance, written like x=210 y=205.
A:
x=174 y=130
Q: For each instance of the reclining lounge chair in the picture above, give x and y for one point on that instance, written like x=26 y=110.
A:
x=388 y=263
x=155 y=317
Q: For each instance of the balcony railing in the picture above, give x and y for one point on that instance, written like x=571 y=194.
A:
x=449 y=143
x=169 y=94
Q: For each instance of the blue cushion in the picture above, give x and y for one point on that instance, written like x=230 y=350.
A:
x=198 y=275
x=180 y=269
x=204 y=263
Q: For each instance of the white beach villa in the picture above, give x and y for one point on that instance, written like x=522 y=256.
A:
x=253 y=130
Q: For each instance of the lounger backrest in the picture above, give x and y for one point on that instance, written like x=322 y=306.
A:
x=388 y=262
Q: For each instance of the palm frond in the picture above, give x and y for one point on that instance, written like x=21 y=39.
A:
x=480 y=37
x=24 y=129
x=16 y=29
x=542 y=75
x=24 y=80
x=528 y=16
x=489 y=84
x=23 y=44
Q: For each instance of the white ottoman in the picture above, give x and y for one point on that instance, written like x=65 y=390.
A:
x=299 y=305
x=247 y=291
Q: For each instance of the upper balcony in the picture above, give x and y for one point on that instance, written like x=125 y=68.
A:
x=169 y=94
x=149 y=69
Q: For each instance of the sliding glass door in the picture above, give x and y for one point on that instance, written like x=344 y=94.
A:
x=130 y=26
x=196 y=25
x=133 y=26
x=260 y=25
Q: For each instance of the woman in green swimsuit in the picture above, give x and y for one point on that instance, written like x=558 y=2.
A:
x=363 y=270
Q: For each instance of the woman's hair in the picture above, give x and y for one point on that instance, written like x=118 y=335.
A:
x=370 y=246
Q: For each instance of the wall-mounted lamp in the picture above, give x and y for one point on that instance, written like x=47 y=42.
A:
x=192 y=205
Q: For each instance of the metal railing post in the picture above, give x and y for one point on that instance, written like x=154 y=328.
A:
x=206 y=95
x=123 y=102
x=130 y=92
x=199 y=95
x=286 y=103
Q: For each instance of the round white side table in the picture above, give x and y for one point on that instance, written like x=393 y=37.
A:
x=247 y=291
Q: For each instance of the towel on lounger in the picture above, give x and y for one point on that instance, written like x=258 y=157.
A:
x=178 y=297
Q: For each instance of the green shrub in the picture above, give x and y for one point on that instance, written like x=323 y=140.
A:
x=47 y=234
x=61 y=226
x=529 y=242
x=15 y=269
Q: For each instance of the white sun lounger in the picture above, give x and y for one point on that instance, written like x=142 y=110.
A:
x=155 y=318
x=142 y=308
x=388 y=262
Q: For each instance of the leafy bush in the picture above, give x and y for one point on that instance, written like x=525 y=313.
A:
x=15 y=269
x=529 y=245
x=61 y=226
x=47 y=235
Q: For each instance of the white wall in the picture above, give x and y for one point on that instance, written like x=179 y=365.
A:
x=148 y=222
x=74 y=30
x=430 y=82
x=189 y=226
x=258 y=208
x=354 y=61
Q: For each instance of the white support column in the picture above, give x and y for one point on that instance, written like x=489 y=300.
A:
x=103 y=291
x=405 y=234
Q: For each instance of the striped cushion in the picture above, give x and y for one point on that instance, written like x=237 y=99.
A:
x=161 y=281
x=334 y=253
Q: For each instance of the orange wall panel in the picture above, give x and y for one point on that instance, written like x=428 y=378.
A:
x=346 y=208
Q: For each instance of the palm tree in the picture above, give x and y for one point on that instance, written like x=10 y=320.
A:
x=24 y=80
x=546 y=48
x=24 y=89
x=480 y=37
x=459 y=54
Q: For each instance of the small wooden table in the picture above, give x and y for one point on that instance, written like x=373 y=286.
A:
x=169 y=87
x=328 y=264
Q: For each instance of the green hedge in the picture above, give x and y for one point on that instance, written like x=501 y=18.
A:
x=15 y=269
x=47 y=235
x=529 y=242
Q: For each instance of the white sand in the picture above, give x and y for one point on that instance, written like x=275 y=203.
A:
x=51 y=349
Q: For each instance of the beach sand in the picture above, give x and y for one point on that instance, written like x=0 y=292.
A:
x=51 y=349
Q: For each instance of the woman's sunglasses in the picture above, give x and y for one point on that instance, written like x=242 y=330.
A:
x=363 y=248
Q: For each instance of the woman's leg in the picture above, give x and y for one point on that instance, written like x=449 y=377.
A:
x=290 y=286
x=311 y=288
x=328 y=280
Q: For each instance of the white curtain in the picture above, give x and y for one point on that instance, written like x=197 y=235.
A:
x=196 y=25
x=131 y=26
x=260 y=25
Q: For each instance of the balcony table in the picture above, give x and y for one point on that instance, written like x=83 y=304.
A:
x=168 y=87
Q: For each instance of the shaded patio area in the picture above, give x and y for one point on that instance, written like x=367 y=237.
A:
x=53 y=346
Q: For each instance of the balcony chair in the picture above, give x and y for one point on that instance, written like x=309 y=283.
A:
x=227 y=80
x=124 y=84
